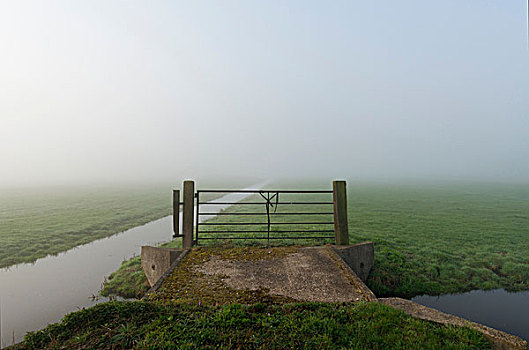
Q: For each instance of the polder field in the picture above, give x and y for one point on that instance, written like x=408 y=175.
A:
x=38 y=222
x=42 y=221
x=429 y=238
x=445 y=238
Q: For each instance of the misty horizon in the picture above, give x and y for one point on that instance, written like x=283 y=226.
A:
x=133 y=92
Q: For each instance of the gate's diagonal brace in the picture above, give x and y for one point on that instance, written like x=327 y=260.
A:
x=269 y=204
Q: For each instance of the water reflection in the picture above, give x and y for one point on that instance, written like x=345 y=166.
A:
x=498 y=308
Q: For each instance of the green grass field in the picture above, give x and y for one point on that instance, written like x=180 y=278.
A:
x=443 y=239
x=143 y=325
x=39 y=222
x=429 y=239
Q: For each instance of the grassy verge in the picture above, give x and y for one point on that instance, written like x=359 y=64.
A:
x=260 y=326
x=433 y=239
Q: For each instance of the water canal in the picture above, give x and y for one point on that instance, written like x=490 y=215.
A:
x=498 y=308
x=35 y=295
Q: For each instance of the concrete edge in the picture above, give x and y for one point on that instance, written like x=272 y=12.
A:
x=169 y=271
x=155 y=261
x=499 y=340
x=351 y=275
x=360 y=257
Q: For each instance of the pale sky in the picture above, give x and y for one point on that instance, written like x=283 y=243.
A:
x=153 y=90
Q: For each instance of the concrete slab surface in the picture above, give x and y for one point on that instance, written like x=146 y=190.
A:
x=315 y=274
x=310 y=274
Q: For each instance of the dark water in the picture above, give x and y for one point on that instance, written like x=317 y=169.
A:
x=35 y=295
x=498 y=309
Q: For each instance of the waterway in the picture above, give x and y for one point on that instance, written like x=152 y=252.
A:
x=497 y=308
x=35 y=295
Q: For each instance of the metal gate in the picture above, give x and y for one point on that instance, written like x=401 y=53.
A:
x=269 y=201
x=264 y=215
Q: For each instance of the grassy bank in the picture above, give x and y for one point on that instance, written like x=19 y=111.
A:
x=128 y=281
x=39 y=222
x=260 y=326
x=431 y=239
x=42 y=221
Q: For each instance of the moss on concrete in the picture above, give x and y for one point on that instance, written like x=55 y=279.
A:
x=187 y=285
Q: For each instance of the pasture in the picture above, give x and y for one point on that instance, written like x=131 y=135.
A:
x=38 y=222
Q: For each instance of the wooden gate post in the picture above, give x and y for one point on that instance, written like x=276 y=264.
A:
x=176 y=213
x=341 y=230
x=187 y=220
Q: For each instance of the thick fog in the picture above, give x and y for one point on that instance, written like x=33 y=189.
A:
x=152 y=90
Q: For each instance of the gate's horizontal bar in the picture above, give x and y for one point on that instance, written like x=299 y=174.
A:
x=264 y=191
x=261 y=231
x=261 y=203
x=330 y=213
x=264 y=223
x=289 y=237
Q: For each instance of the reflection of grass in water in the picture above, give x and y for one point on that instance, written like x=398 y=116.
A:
x=433 y=239
x=292 y=326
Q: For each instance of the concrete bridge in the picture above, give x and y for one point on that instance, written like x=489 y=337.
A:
x=221 y=275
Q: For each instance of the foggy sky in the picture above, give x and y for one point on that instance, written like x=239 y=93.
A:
x=149 y=91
